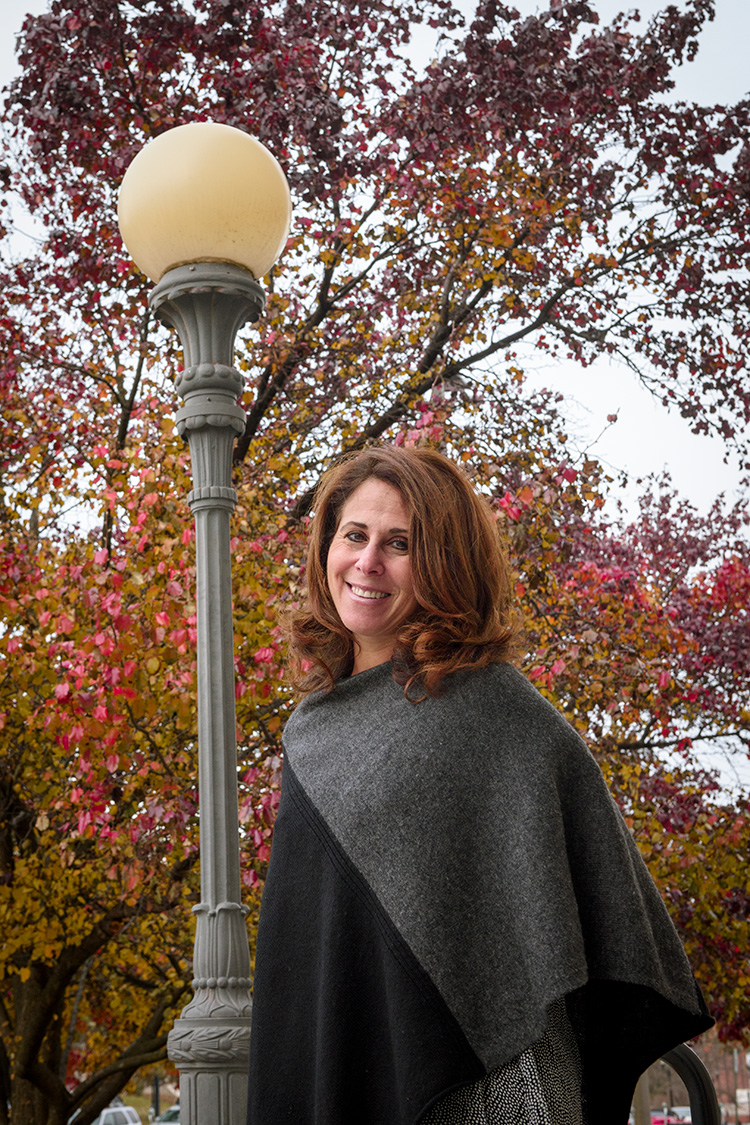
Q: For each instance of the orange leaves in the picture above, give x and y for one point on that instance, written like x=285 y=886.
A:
x=700 y=860
x=90 y=743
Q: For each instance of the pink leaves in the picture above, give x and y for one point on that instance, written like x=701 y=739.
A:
x=258 y=809
x=104 y=642
x=509 y=507
x=544 y=676
x=112 y=603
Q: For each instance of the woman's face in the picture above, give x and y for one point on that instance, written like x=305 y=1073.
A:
x=369 y=570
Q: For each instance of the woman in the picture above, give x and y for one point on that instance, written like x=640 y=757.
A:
x=456 y=925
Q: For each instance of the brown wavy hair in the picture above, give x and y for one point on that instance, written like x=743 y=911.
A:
x=460 y=575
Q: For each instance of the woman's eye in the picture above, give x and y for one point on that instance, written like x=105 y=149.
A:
x=354 y=536
x=400 y=544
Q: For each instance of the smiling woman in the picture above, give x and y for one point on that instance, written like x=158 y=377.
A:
x=404 y=560
x=456 y=925
x=369 y=571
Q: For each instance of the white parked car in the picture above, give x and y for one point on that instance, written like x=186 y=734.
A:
x=118 y=1115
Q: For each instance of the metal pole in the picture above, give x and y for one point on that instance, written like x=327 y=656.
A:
x=207 y=303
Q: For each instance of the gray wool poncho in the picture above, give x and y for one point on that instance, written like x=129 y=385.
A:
x=442 y=872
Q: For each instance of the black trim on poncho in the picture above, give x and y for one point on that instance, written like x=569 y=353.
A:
x=441 y=872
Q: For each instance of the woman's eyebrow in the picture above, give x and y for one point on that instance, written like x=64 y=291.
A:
x=391 y=531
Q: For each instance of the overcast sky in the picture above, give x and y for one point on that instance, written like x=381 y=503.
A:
x=646 y=438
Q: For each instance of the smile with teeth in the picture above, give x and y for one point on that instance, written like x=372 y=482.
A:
x=373 y=594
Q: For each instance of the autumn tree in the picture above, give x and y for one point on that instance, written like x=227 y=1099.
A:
x=641 y=638
x=531 y=189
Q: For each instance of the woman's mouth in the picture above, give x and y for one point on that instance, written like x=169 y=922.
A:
x=372 y=594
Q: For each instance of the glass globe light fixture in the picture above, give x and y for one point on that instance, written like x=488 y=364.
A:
x=204 y=192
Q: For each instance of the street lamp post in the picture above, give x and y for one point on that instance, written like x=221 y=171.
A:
x=204 y=210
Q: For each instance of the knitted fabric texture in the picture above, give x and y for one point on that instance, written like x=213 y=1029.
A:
x=480 y=826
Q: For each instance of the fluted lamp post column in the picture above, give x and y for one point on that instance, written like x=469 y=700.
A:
x=204 y=210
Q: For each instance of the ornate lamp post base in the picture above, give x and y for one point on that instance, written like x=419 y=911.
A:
x=212 y=1058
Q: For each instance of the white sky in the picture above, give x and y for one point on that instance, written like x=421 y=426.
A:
x=12 y=14
x=646 y=437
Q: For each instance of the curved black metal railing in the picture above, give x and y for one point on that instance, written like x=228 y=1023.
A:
x=704 y=1105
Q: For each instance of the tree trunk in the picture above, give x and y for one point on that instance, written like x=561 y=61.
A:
x=27 y=1106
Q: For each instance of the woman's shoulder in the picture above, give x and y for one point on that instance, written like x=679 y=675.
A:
x=501 y=689
x=353 y=695
x=498 y=705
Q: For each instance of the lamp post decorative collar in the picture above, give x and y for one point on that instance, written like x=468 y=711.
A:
x=204 y=210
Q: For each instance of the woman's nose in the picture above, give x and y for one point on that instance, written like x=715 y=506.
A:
x=370 y=559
